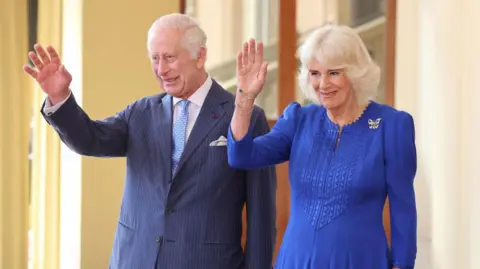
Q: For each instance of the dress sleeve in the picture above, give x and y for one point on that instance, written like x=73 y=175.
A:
x=401 y=167
x=269 y=149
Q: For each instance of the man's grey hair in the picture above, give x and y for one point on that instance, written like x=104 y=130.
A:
x=193 y=39
x=339 y=47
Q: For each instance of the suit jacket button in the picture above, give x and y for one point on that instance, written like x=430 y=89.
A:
x=169 y=211
x=159 y=239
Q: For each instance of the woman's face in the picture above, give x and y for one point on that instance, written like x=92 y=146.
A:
x=331 y=85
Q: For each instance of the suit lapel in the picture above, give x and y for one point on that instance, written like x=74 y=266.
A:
x=210 y=115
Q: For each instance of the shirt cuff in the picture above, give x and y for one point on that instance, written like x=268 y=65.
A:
x=48 y=109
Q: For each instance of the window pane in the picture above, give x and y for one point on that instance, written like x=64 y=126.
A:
x=363 y=11
x=366 y=16
x=228 y=23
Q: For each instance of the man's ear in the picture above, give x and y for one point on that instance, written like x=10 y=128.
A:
x=201 y=57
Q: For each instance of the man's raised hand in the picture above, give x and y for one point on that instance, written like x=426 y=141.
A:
x=49 y=73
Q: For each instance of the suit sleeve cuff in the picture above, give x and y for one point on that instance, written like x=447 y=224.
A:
x=48 y=109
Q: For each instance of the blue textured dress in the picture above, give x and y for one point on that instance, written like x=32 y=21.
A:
x=338 y=192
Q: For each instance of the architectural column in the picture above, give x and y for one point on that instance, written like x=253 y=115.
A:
x=104 y=46
x=470 y=16
x=436 y=69
x=406 y=98
x=286 y=54
x=440 y=125
x=286 y=81
x=15 y=109
x=45 y=180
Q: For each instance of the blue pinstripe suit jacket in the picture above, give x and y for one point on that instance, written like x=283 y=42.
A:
x=193 y=219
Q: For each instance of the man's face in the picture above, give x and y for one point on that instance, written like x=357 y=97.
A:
x=175 y=69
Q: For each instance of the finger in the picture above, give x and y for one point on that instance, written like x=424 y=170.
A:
x=32 y=72
x=259 y=55
x=245 y=54
x=239 y=61
x=251 y=51
x=33 y=56
x=43 y=55
x=262 y=74
x=53 y=55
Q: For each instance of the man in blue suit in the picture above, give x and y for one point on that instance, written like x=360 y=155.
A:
x=182 y=203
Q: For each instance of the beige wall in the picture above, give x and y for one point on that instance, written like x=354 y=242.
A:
x=14 y=131
x=105 y=49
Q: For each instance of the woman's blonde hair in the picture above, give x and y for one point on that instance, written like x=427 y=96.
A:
x=339 y=47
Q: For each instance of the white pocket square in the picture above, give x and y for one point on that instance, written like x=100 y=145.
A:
x=221 y=141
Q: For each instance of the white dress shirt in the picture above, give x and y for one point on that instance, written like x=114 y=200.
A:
x=196 y=103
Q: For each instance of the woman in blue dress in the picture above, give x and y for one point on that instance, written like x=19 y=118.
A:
x=346 y=153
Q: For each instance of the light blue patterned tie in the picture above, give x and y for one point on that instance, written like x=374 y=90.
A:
x=179 y=134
